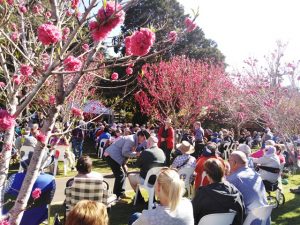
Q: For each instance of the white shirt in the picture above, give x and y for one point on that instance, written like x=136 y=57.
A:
x=270 y=161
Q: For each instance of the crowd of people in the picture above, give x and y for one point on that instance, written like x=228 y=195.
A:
x=221 y=185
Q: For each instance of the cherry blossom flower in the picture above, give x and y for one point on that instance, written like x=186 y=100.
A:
x=41 y=137
x=48 y=14
x=26 y=70
x=74 y=4
x=172 y=36
x=4 y=222
x=52 y=100
x=7 y=121
x=107 y=19
x=15 y=36
x=114 y=76
x=129 y=70
x=22 y=8
x=72 y=64
x=140 y=42
x=37 y=9
x=85 y=47
x=189 y=24
x=76 y=112
x=49 y=34
x=2 y=84
x=36 y=193
x=17 y=80
x=66 y=32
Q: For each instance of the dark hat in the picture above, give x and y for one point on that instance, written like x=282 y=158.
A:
x=143 y=133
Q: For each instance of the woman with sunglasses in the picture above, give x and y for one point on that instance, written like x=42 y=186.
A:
x=173 y=209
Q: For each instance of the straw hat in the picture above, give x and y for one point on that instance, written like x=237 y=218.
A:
x=185 y=147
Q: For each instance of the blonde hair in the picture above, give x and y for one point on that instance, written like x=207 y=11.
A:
x=172 y=187
x=87 y=212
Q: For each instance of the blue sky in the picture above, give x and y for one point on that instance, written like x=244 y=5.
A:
x=244 y=28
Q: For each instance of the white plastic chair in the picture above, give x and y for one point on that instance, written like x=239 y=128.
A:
x=185 y=174
x=261 y=213
x=217 y=218
x=147 y=186
x=101 y=147
x=60 y=150
x=24 y=152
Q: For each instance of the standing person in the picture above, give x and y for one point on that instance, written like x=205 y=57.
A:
x=166 y=139
x=199 y=142
x=151 y=157
x=25 y=139
x=116 y=155
x=77 y=139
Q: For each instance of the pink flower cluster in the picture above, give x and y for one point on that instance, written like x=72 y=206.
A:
x=37 y=9
x=66 y=32
x=26 y=70
x=52 y=100
x=114 y=76
x=4 y=222
x=10 y=2
x=140 y=42
x=107 y=19
x=76 y=112
x=172 y=36
x=129 y=70
x=49 y=34
x=7 y=121
x=189 y=24
x=17 y=79
x=36 y=193
x=74 y=4
x=2 y=84
x=22 y=8
x=41 y=137
x=85 y=47
x=15 y=36
x=72 y=64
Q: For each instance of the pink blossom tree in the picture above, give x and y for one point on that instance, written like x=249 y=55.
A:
x=182 y=89
x=42 y=46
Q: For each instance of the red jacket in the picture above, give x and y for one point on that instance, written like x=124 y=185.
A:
x=169 y=138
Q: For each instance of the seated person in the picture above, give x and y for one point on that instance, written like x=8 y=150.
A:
x=37 y=212
x=185 y=160
x=218 y=196
x=151 y=157
x=247 y=150
x=210 y=151
x=173 y=209
x=25 y=140
x=84 y=168
x=88 y=212
x=269 y=165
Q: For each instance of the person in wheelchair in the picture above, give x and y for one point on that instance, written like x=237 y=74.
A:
x=268 y=167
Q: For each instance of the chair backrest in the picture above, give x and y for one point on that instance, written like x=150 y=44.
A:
x=61 y=149
x=262 y=213
x=185 y=174
x=151 y=172
x=218 y=218
x=103 y=142
x=204 y=174
x=24 y=151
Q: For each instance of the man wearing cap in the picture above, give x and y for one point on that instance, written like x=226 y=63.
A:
x=151 y=157
x=185 y=160
x=116 y=155
x=166 y=139
x=210 y=151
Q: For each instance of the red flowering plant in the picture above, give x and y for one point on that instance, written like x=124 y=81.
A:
x=48 y=61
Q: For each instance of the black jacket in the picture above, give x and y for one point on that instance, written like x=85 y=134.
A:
x=219 y=198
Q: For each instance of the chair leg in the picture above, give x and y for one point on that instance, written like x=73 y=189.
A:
x=136 y=194
x=151 y=198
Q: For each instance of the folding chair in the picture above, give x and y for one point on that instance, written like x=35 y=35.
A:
x=101 y=147
x=88 y=189
x=24 y=152
x=262 y=213
x=59 y=155
x=149 y=187
x=185 y=174
x=217 y=218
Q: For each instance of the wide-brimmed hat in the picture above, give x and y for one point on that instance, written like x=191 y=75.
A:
x=168 y=120
x=185 y=147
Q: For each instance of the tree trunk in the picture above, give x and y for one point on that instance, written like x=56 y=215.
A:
x=33 y=171
x=4 y=162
